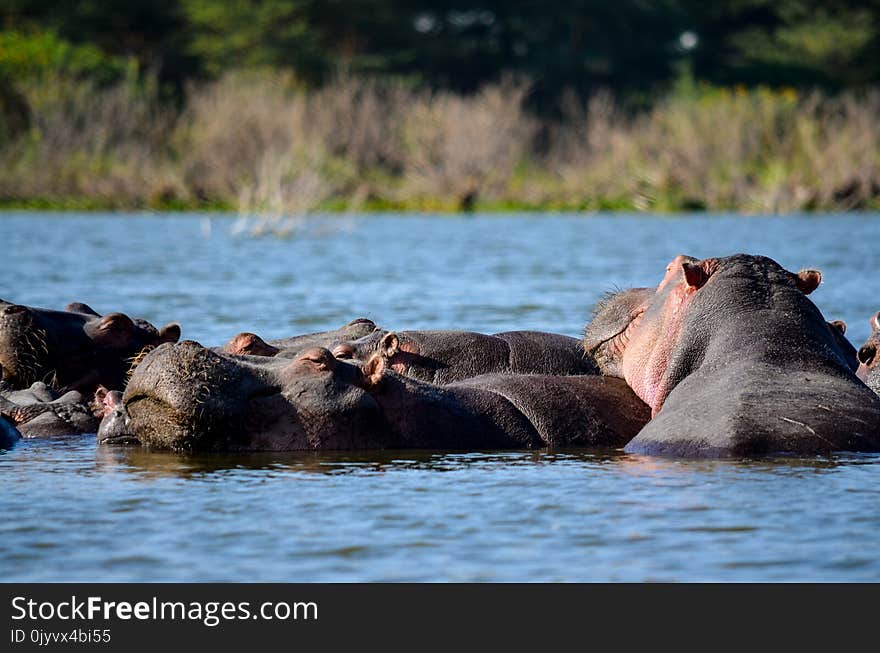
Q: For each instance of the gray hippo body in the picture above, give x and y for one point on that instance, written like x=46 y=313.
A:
x=41 y=411
x=437 y=356
x=250 y=344
x=185 y=397
x=735 y=360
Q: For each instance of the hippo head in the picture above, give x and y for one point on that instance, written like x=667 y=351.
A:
x=186 y=397
x=25 y=355
x=671 y=335
x=615 y=318
x=838 y=330
x=75 y=348
x=114 y=427
x=867 y=353
x=250 y=344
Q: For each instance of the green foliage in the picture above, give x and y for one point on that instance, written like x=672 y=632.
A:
x=43 y=55
x=830 y=43
x=755 y=104
x=633 y=47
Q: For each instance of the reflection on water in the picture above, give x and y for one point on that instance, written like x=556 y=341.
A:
x=156 y=463
x=128 y=514
x=77 y=512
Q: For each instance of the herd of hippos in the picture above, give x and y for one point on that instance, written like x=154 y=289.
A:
x=725 y=357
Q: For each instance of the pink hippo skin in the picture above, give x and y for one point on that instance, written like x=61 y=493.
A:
x=735 y=360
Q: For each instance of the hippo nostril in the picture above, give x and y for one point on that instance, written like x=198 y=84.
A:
x=866 y=354
x=14 y=308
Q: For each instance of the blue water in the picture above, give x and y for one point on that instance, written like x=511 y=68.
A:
x=76 y=512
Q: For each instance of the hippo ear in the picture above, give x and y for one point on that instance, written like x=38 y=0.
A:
x=389 y=345
x=866 y=354
x=112 y=329
x=695 y=275
x=100 y=394
x=875 y=322
x=808 y=280
x=98 y=402
x=169 y=333
x=373 y=370
x=840 y=325
x=79 y=307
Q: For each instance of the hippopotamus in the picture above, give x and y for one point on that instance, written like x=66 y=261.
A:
x=252 y=345
x=74 y=349
x=438 y=356
x=614 y=319
x=9 y=435
x=868 y=370
x=114 y=426
x=41 y=411
x=838 y=330
x=618 y=313
x=188 y=398
x=735 y=360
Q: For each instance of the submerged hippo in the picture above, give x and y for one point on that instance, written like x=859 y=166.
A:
x=440 y=356
x=734 y=359
x=868 y=369
x=249 y=344
x=838 y=330
x=42 y=411
x=74 y=349
x=114 y=425
x=186 y=397
x=9 y=435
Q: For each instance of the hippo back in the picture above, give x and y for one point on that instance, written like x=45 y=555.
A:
x=756 y=369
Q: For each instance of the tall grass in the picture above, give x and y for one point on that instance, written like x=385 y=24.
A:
x=261 y=144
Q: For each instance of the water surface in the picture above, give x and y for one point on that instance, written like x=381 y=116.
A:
x=76 y=512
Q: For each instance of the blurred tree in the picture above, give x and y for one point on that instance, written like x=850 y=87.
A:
x=829 y=43
x=629 y=45
x=154 y=32
x=633 y=47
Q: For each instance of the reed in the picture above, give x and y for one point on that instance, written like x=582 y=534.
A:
x=260 y=143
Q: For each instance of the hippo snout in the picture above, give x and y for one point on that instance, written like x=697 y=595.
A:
x=183 y=396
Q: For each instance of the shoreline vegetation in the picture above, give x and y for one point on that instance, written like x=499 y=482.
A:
x=261 y=144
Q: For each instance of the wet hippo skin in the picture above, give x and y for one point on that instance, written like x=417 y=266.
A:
x=42 y=411
x=735 y=360
x=186 y=397
x=438 y=356
x=74 y=349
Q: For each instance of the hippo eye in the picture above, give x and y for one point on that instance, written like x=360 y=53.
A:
x=343 y=352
